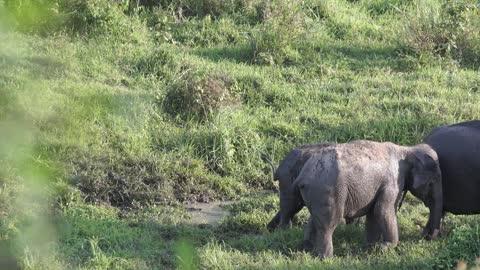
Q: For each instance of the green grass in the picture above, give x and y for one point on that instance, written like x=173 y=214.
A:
x=97 y=161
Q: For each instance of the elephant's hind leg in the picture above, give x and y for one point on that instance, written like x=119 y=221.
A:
x=373 y=229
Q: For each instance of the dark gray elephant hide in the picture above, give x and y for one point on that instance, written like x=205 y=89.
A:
x=458 y=149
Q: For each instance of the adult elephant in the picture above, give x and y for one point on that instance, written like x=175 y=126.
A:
x=367 y=178
x=458 y=149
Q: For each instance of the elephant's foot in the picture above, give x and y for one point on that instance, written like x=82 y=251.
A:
x=323 y=255
x=272 y=225
x=381 y=245
x=430 y=234
x=307 y=245
x=387 y=245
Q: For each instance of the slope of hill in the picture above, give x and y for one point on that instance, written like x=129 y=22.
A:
x=114 y=114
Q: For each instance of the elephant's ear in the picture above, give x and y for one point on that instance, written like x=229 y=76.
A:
x=426 y=161
x=423 y=165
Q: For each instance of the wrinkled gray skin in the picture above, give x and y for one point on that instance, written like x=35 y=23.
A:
x=291 y=201
x=367 y=178
x=458 y=149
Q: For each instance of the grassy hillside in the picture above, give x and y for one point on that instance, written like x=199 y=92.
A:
x=114 y=114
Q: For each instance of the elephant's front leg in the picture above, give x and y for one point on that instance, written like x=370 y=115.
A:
x=323 y=228
x=309 y=235
x=387 y=220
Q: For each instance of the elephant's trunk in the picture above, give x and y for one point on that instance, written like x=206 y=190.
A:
x=436 y=212
x=273 y=224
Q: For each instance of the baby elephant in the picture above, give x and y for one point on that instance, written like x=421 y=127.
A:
x=367 y=178
x=291 y=201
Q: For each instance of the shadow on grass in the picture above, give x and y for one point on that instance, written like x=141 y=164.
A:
x=87 y=233
x=357 y=57
x=400 y=129
x=38 y=67
x=238 y=54
x=349 y=56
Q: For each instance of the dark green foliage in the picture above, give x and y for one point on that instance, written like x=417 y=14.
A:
x=102 y=18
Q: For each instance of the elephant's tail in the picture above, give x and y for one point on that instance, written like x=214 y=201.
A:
x=401 y=200
x=267 y=159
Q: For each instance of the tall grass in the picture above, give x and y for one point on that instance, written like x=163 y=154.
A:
x=446 y=28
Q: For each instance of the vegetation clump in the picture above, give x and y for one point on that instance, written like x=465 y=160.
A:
x=198 y=95
x=283 y=23
x=448 y=28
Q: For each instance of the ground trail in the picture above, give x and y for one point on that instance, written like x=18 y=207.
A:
x=208 y=213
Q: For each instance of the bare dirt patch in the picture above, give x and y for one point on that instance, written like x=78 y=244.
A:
x=208 y=213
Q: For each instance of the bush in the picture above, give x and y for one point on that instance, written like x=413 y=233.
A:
x=283 y=23
x=448 y=29
x=197 y=95
x=159 y=63
x=89 y=14
x=103 y=17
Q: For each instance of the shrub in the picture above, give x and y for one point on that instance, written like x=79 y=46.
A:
x=87 y=15
x=103 y=17
x=198 y=95
x=232 y=151
x=283 y=23
x=159 y=63
x=447 y=29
